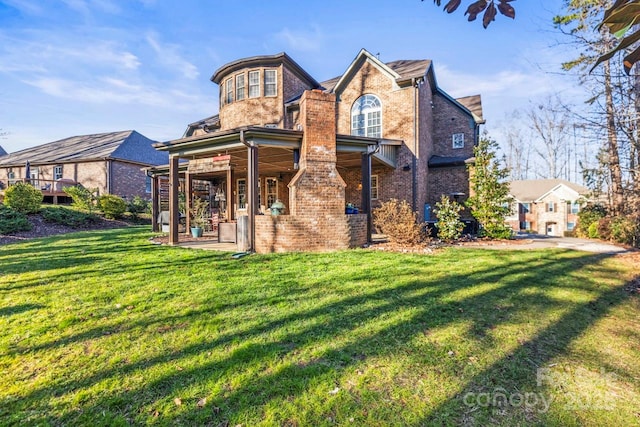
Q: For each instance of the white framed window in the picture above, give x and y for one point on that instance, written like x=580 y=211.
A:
x=575 y=207
x=270 y=83
x=229 y=90
x=254 y=84
x=366 y=117
x=242 y=193
x=374 y=187
x=11 y=177
x=551 y=207
x=57 y=172
x=457 y=140
x=271 y=190
x=525 y=208
x=239 y=87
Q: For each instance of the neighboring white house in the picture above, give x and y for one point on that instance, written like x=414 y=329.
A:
x=546 y=206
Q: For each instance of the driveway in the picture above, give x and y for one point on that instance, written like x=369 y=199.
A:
x=533 y=241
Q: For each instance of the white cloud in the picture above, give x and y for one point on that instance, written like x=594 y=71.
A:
x=168 y=55
x=108 y=90
x=302 y=40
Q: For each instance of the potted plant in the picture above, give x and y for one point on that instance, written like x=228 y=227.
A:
x=199 y=216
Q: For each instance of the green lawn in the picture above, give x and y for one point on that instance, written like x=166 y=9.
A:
x=104 y=328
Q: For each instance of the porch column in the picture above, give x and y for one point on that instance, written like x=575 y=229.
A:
x=174 y=182
x=252 y=193
x=230 y=197
x=188 y=193
x=365 y=203
x=155 y=201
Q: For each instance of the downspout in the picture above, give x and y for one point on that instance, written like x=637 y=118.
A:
x=414 y=160
x=109 y=175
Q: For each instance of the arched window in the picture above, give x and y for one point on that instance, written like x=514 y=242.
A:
x=366 y=117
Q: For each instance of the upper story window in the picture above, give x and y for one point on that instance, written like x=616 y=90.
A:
x=525 y=208
x=229 y=91
x=57 y=172
x=254 y=84
x=551 y=207
x=458 y=140
x=270 y=83
x=239 y=87
x=366 y=117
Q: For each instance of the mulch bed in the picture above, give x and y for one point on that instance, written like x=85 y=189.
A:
x=42 y=228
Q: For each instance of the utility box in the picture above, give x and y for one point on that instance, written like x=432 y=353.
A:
x=242 y=234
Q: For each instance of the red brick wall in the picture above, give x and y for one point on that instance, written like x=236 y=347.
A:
x=450 y=119
x=444 y=181
x=317 y=185
x=317 y=233
x=128 y=180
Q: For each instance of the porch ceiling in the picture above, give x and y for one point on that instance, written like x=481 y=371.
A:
x=275 y=149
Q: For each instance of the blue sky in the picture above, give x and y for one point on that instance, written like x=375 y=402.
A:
x=73 y=67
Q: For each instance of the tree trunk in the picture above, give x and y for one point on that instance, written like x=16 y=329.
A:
x=617 y=194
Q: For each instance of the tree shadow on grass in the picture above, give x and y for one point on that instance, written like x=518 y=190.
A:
x=333 y=336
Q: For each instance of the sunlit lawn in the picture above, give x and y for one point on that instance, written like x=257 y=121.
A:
x=104 y=328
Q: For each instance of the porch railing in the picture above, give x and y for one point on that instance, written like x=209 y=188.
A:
x=47 y=186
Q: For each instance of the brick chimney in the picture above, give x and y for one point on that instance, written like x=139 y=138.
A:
x=317 y=188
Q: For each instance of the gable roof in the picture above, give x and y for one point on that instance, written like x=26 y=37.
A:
x=2 y=152
x=530 y=190
x=402 y=71
x=125 y=145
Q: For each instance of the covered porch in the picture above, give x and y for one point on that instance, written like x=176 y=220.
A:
x=241 y=173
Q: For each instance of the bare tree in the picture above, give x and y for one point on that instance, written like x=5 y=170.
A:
x=551 y=124
x=517 y=149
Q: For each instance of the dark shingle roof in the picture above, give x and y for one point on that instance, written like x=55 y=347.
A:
x=446 y=161
x=207 y=124
x=409 y=69
x=126 y=145
x=406 y=68
x=2 y=152
x=474 y=104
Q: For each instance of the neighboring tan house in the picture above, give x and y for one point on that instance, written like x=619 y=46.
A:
x=378 y=131
x=546 y=206
x=111 y=162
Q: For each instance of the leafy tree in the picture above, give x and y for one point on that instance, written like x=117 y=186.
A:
x=449 y=225
x=477 y=7
x=580 y=20
x=490 y=200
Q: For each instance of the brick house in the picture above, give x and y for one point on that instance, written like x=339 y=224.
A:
x=376 y=132
x=546 y=206
x=111 y=162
